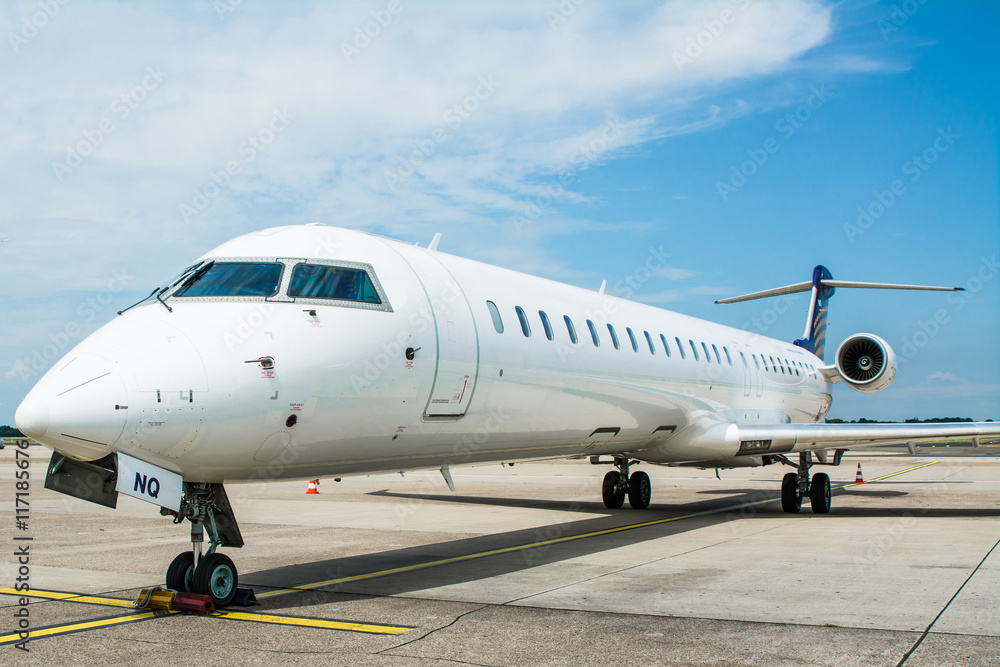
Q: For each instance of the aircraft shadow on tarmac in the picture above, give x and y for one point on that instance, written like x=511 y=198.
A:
x=594 y=517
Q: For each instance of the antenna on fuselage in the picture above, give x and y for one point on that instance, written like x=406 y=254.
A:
x=604 y=283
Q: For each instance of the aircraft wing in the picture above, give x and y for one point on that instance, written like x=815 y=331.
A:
x=812 y=437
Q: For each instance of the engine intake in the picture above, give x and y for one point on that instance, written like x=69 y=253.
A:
x=866 y=363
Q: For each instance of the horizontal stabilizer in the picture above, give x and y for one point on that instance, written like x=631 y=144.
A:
x=823 y=287
x=805 y=287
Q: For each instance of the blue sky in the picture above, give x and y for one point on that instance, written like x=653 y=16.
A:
x=572 y=140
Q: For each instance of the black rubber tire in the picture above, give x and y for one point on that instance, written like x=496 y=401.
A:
x=613 y=499
x=639 y=491
x=819 y=493
x=180 y=574
x=790 y=500
x=217 y=578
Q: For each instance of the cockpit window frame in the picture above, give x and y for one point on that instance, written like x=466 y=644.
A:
x=341 y=303
x=178 y=284
x=281 y=295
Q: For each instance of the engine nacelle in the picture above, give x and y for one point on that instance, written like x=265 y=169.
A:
x=866 y=363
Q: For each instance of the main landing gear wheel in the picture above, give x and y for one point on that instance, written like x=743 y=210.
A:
x=217 y=578
x=180 y=574
x=614 y=495
x=797 y=486
x=639 y=490
x=791 y=501
x=819 y=493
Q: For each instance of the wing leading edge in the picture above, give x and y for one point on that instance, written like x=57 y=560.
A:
x=814 y=437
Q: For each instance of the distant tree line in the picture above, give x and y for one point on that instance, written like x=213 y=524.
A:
x=10 y=432
x=932 y=420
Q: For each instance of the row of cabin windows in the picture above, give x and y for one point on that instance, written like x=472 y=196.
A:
x=787 y=367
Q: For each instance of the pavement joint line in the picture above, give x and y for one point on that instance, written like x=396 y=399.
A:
x=927 y=631
x=81 y=626
x=544 y=543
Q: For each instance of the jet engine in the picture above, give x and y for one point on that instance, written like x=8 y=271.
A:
x=866 y=363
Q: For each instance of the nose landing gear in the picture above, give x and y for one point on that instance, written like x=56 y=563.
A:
x=207 y=507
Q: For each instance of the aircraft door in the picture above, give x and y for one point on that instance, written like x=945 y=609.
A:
x=457 y=341
x=747 y=375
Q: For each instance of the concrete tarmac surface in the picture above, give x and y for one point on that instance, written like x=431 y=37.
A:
x=524 y=565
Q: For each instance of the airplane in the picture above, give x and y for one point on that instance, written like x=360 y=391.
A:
x=311 y=351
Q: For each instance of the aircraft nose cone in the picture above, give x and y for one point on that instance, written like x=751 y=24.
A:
x=32 y=417
x=78 y=408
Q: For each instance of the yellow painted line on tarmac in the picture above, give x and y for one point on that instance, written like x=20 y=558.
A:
x=68 y=597
x=274 y=619
x=303 y=622
x=81 y=626
x=892 y=474
x=535 y=545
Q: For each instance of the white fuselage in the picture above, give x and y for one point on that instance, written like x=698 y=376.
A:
x=235 y=388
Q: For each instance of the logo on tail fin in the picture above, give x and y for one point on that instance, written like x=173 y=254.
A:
x=814 y=338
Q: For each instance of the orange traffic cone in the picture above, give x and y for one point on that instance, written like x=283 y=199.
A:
x=312 y=488
x=858 y=479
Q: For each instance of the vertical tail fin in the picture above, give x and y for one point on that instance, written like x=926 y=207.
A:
x=823 y=287
x=814 y=337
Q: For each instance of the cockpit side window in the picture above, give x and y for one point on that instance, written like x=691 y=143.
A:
x=232 y=279
x=317 y=281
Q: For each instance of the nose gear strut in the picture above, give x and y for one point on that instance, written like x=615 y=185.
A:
x=207 y=507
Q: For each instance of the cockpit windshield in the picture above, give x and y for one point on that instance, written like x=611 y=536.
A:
x=318 y=281
x=233 y=279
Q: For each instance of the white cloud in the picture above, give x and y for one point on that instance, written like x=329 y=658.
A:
x=672 y=273
x=941 y=376
x=551 y=95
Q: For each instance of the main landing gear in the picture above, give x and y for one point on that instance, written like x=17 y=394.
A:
x=796 y=486
x=618 y=483
x=207 y=507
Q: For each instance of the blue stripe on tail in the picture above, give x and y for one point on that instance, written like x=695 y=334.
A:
x=814 y=338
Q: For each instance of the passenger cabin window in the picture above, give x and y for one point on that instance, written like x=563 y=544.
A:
x=744 y=358
x=666 y=348
x=524 y=321
x=495 y=314
x=545 y=324
x=680 y=347
x=718 y=359
x=729 y=358
x=614 y=337
x=319 y=281
x=593 y=333
x=232 y=279
x=649 y=342
x=708 y=357
x=693 y=349
x=631 y=337
x=570 y=328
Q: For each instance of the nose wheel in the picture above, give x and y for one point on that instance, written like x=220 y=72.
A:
x=213 y=574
